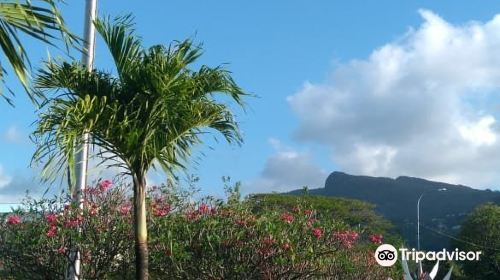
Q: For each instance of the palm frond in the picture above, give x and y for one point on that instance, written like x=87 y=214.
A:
x=36 y=21
x=123 y=45
x=75 y=80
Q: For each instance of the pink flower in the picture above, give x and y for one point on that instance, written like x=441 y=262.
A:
x=317 y=232
x=204 y=208
x=376 y=238
x=161 y=211
x=90 y=190
x=287 y=217
x=51 y=218
x=14 y=219
x=285 y=246
x=308 y=212
x=52 y=231
x=105 y=185
x=159 y=207
x=61 y=250
x=125 y=209
x=74 y=222
x=345 y=238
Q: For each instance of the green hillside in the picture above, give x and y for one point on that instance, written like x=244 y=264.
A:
x=442 y=213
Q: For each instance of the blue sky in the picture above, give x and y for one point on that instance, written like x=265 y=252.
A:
x=367 y=87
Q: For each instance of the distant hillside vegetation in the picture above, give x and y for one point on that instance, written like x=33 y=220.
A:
x=396 y=199
x=355 y=213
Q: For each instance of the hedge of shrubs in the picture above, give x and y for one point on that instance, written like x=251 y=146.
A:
x=188 y=239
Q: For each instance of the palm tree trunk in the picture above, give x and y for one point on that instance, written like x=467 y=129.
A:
x=140 y=228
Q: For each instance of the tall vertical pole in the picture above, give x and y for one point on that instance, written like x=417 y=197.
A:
x=88 y=61
x=418 y=222
x=418 y=232
x=81 y=159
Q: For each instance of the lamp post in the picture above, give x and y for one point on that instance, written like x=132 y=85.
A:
x=74 y=272
x=418 y=220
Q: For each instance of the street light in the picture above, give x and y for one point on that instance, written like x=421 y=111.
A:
x=418 y=213
x=418 y=219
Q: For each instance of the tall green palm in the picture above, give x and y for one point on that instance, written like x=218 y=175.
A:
x=39 y=21
x=151 y=113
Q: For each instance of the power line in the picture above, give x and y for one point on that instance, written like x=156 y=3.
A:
x=460 y=240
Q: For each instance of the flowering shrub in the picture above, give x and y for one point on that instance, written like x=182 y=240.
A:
x=37 y=241
x=209 y=239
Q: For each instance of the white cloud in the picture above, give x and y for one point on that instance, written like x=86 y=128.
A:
x=13 y=187
x=479 y=133
x=423 y=105
x=4 y=178
x=287 y=170
x=13 y=134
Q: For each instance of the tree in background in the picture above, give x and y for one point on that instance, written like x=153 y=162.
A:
x=149 y=115
x=481 y=232
x=41 y=21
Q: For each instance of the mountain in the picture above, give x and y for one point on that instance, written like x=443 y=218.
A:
x=441 y=212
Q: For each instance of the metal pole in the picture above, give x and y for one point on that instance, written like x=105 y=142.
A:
x=418 y=221
x=418 y=233
x=81 y=158
x=418 y=224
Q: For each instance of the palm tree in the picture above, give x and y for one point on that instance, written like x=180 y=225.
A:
x=37 y=21
x=149 y=115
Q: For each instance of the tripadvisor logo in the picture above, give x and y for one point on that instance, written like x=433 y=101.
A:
x=387 y=255
x=443 y=255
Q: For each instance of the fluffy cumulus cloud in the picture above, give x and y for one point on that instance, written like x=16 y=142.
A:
x=424 y=105
x=287 y=170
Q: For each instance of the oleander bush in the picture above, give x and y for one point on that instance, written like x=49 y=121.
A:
x=189 y=239
x=36 y=241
